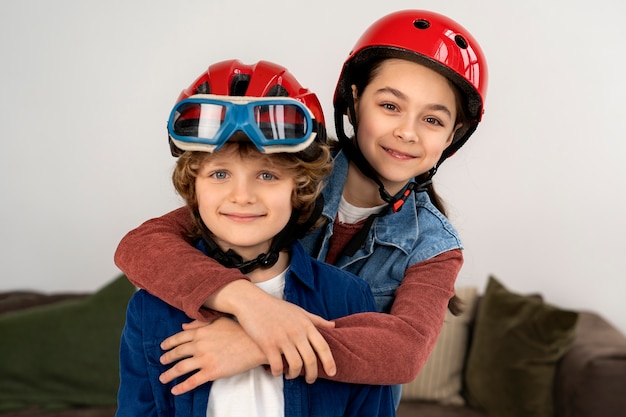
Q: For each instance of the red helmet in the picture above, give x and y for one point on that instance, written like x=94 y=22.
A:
x=261 y=80
x=430 y=39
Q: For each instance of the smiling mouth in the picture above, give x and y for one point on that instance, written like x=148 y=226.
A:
x=398 y=155
x=242 y=218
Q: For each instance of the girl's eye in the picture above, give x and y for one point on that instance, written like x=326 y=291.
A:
x=433 y=121
x=389 y=106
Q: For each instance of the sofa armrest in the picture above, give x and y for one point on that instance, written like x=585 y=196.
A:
x=18 y=300
x=590 y=378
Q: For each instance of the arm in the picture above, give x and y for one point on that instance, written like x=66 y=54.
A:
x=361 y=342
x=402 y=340
x=158 y=257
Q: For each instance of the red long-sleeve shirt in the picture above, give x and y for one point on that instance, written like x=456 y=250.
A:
x=371 y=348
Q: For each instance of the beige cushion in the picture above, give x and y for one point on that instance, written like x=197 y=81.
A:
x=441 y=378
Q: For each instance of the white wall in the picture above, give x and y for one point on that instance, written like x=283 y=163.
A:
x=86 y=87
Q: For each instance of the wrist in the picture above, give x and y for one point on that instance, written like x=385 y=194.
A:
x=234 y=297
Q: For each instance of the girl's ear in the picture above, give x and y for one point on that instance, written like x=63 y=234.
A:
x=355 y=100
x=451 y=137
x=355 y=93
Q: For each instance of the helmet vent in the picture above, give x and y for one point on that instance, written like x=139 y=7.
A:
x=460 y=41
x=203 y=88
x=239 y=84
x=278 y=91
x=421 y=24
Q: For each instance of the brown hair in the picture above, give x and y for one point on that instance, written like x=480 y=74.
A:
x=308 y=174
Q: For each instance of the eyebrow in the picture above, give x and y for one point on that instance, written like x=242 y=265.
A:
x=399 y=94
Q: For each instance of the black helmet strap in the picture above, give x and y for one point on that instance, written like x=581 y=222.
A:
x=284 y=239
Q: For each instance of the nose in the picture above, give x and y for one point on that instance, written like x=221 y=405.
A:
x=243 y=191
x=405 y=131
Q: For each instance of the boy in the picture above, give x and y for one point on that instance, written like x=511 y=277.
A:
x=252 y=157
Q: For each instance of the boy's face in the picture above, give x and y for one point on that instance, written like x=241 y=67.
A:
x=244 y=201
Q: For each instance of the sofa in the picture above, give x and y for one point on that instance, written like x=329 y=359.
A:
x=58 y=357
x=532 y=359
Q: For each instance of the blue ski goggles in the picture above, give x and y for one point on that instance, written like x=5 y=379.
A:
x=205 y=122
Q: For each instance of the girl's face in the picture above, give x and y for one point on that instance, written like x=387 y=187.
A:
x=406 y=118
x=244 y=201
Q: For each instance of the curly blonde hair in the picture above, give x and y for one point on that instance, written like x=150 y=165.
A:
x=308 y=170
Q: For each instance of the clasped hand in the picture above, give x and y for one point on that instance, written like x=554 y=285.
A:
x=285 y=338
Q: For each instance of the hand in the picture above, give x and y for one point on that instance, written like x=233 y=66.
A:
x=282 y=329
x=278 y=328
x=217 y=350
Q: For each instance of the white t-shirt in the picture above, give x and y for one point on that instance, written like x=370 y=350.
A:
x=347 y=213
x=255 y=393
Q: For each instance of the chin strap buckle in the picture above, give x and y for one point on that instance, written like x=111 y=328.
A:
x=397 y=205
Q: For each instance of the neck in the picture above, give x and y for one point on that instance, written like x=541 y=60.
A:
x=263 y=274
x=361 y=191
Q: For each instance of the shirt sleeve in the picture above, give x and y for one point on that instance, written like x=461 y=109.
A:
x=158 y=257
x=380 y=348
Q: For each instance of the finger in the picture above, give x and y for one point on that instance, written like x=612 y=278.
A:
x=178 y=353
x=309 y=361
x=194 y=324
x=294 y=361
x=177 y=339
x=187 y=385
x=324 y=354
x=275 y=360
x=320 y=321
x=181 y=368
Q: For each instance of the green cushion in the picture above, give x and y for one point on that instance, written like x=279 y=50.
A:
x=64 y=354
x=517 y=342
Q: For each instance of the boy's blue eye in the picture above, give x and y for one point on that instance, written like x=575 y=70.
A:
x=220 y=175
x=267 y=176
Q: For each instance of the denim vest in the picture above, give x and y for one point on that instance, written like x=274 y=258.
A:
x=396 y=241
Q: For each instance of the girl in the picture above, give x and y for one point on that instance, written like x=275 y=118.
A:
x=413 y=89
